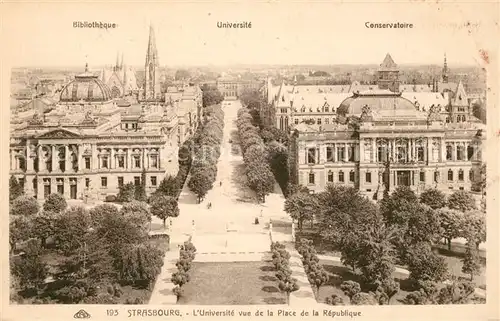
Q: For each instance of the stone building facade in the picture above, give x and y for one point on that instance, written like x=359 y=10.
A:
x=375 y=137
x=90 y=144
x=388 y=147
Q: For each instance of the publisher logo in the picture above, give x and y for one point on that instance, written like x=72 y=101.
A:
x=82 y=314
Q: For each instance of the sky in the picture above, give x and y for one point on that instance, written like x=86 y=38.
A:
x=41 y=35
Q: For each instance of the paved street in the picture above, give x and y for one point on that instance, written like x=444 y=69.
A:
x=226 y=232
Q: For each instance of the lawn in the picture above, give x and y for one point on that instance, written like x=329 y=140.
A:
x=235 y=283
x=452 y=258
x=338 y=273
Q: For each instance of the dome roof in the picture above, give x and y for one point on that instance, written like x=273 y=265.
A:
x=377 y=101
x=86 y=87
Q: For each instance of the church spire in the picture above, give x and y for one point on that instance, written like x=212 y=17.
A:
x=445 y=70
x=152 y=79
x=121 y=63
x=117 y=64
x=152 y=52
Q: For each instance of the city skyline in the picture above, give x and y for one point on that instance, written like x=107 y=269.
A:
x=282 y=40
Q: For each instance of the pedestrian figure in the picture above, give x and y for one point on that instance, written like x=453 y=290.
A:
x=220 y=183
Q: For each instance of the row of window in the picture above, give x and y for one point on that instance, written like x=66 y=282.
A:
x=460 y=119
x=130 y=126
x=401 y=154
x=368 y=176
x=341 y=178
x=312 y=158
x=136 y=160
x=137 y=181
x=311 y=121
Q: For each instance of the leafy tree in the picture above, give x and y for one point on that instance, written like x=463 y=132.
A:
x=376 y=257
x=137 y=212
x=301 y=207
x=30 y=269
x=456 y=293
x=334 y=300
x=255 y=154
x=55 y=203
x=126 y=192
x=433 y=198
x=288 y=285
x=411 y=221
x=251 y=141
x=99 y=212
x=350 y=288
x=24 y=205
x=15 y=189
x=267 y=135
x=452 y=224
x=317 y=275
x=140 y=190
x=44 y=226
x=71 y=228
x=117 y=230
x=20 y=229
x=101 y=298
x=345 y=219
x=278 y=160
x=139 y=264
x=169 y=186
x=418 y=297
x=164 y=207
x=389 y=287
x=363 y=298
x=200 y=183
x=260 y=179
x=395 y=207
x=178 y=291
x=251 y=98
x=211 y=96
x=480 y=185
x=423 y=225
x=462 y=201
x=475 y=228
x=77 y=291
x=294 y=188
x=424 y=265
x=471 y=262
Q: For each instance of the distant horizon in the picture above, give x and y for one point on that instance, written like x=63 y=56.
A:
x=259 y=65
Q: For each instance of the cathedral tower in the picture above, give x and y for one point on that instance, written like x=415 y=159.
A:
x=388 y=75
x=445 y=70
x=152 y=75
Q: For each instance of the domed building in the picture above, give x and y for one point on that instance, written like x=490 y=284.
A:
x=87 y=146
x=87 y=88
x=377 y=139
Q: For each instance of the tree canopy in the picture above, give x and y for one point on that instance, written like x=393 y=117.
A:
x=24 y=205
x=462 y=201
x=164 y=206
x=15 y=189
x=55 y=203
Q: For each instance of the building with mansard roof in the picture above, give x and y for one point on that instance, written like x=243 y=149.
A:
x=292 y=104
x=90 y=143
x=378 y=138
